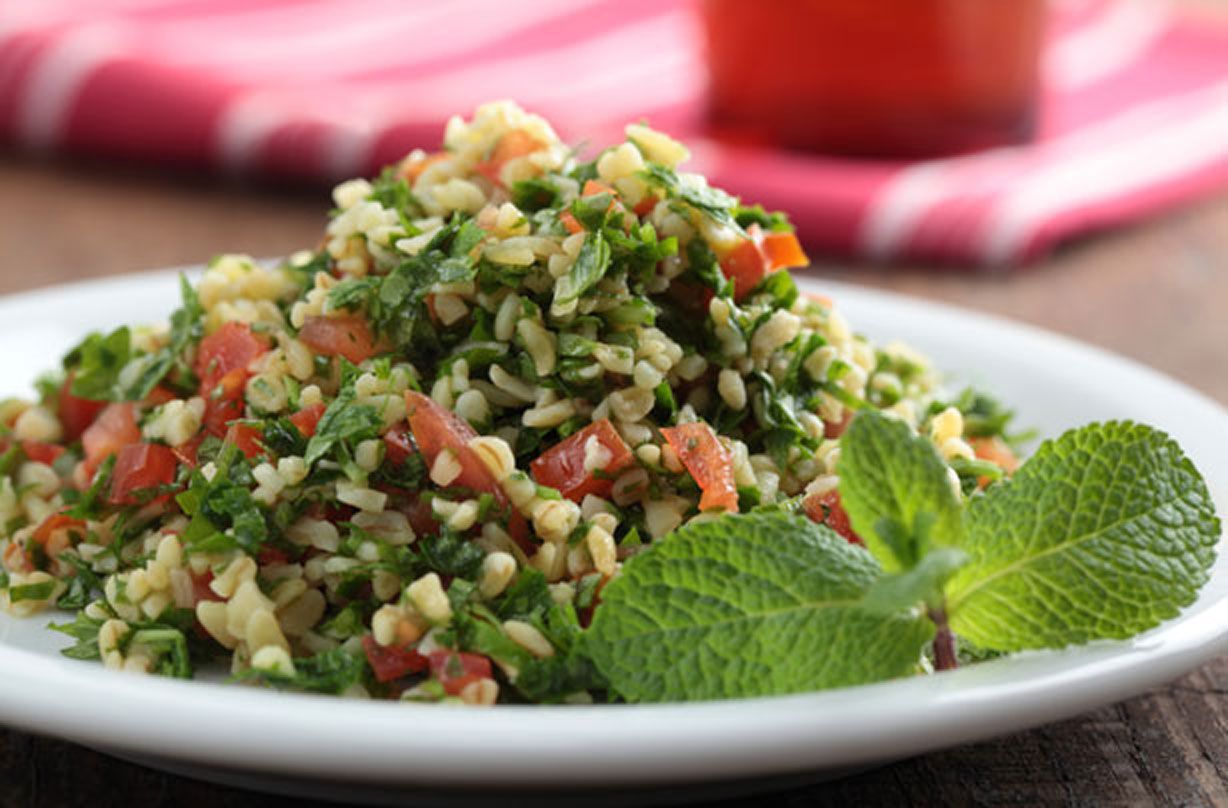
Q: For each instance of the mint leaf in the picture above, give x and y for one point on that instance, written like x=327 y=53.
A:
x=923 y=583
x=747 y=605
x=1105 y=532
x=895 y=489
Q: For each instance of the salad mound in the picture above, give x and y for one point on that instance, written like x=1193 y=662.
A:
x=407 y=464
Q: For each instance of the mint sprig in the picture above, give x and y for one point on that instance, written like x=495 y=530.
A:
x=1104 y=533
x=749 y=605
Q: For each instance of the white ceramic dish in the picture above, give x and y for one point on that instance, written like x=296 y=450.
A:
x=330 y=747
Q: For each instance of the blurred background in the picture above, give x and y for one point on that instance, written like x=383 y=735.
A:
x=1064 y=163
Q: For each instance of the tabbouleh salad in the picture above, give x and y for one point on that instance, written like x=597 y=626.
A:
x=405 y=464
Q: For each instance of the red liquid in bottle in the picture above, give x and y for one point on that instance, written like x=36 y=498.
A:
x=875 y=77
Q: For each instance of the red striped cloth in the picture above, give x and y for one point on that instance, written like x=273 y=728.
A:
x=1134 y=119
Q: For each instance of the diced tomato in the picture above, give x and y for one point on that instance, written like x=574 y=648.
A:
x=412 y=169
x=421 y=517
x=834 y=429
x=570 y=222
x=222 y=364
x=231 y=348
x=57 y=521
x=397 y=445
x=708 y=461
x=185 y=453
x=518 y=529
x=593 y=188
x=456 y=669
x=201 y=589
x=746 y=265
x=349 y=336
x=307 y=419
x=783 y=251
x=755 y=257
x=224 y=401
x=114 y=429
x=158 y=396
x=645 y=206
x=76 y=414
x=562 y=465
x=247 y=438
x=390 y=663
x=41 y=452
x=139 y=467
x=516 y=143
x=269 y=555
x=996 y=451
x=437 y=429
x=825 y=509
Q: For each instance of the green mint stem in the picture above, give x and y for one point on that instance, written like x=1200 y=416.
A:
x=944 y=641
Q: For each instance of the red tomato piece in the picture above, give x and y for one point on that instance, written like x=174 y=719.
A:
x=437 y=429
x=224 y=401
x=826 y=509
x=645 y=206
x=390 y=663
x=593 y=187
x=571 y=222
x=185 y=453
x=412 y=169
x=753 y=259
x=708 y=461
x=421 y=517
x=76 y=414
x=271 y=555
x=247 y=438
x=307 y=419
x=516 y=143
x=158 y=396
x=201 y=589
x=139 y=467
x=397 y=445
x=55 y=522
x=834 y=429
x=996 y=451
x=114 y=429
x=562 y=465
x=229 y=349
x=455 y=669
x=783 y=251
x=518 y=529
x=41 y=452
x=746 y=265
x=349 y=336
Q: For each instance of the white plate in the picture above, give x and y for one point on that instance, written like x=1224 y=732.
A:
x=387 y=750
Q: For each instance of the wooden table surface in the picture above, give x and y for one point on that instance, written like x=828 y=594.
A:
x=1157 y=292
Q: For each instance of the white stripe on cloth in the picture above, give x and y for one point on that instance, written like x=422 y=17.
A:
x=1115 y=40
x=898 y=213
x=47 y=99
x=1194 y=134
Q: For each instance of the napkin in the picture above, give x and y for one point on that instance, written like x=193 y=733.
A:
x=1134 y=118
